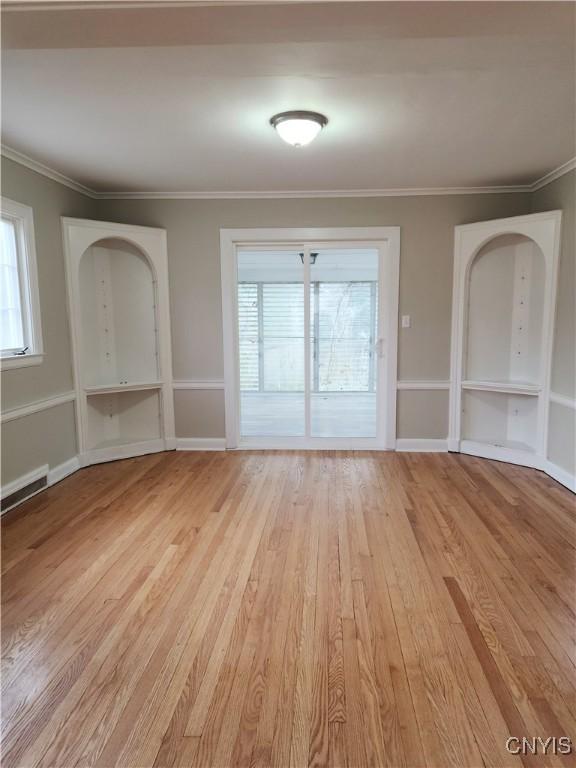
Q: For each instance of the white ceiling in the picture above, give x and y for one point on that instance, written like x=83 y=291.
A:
x=418 y=94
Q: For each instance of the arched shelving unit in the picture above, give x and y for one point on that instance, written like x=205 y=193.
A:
x=117 y=279
x=505 y=274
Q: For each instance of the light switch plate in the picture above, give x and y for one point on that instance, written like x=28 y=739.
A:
x=405 y=321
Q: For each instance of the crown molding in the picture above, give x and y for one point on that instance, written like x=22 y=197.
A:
x=553 y=175
x=90 y=5
x=316 y=193
x=44 y=170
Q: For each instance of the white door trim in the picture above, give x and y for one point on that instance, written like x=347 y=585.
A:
x=230 y=240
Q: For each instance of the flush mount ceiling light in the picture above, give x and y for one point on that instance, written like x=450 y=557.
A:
x=298 y=127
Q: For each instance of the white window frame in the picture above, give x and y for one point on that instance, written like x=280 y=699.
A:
x=387 y=240
x=23 y=219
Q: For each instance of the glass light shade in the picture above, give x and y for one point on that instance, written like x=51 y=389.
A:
x=298 y=128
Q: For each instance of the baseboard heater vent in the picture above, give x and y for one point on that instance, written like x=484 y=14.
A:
x=23 y=493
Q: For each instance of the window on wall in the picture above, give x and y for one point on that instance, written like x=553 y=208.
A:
x=343 y=322
x=20 y=331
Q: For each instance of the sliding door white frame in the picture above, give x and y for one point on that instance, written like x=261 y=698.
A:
x=387 y=241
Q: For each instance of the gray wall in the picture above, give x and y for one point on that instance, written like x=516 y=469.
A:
x=193 y=240
x=425 y=282
x=561 y=194
x=47 y=437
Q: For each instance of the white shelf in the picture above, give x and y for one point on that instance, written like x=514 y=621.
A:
x=507 y=387
x=110 y=450
x=510 y=451
x=106 y=389
x=121 y=441
x=509 y=445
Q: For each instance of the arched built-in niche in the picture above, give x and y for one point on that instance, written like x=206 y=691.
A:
x=118 y=294
x=503 y=310
x=505 y=302
x=118 y=314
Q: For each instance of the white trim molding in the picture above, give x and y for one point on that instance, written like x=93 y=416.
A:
x=51 y=173
x=567 y=402
x=427 y=385
x=37 y=406
x=20 y=361
x=60 y=5
x=45 y=170
x=21 y=482
x=128 y=451
x=63 y=470
x=548 y=178
x=201 y=384
x=53 y=476
x=313 y=193
x=562 y=476
x=200 y=443
x=498 y=453
x=22 y=219
x=421 y=445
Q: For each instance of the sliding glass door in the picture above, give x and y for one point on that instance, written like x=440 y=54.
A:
x=271 y=346
x=309 y=344
x=344 y=331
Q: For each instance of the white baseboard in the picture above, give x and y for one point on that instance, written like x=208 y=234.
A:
x=52 y=476
x=21 y=482
x=127 y=451
x=63 y=470
x=564 y=477
x=497 y=453
x=200 y=444
x=421 y=445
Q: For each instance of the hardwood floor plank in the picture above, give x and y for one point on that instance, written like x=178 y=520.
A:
x=303 y=693
x=168 y=684
x=495 y=679
x=282 y=736
x=275 y=609
x=206 y=745
x=262 y=752
x=336 y=684
x=318 y=745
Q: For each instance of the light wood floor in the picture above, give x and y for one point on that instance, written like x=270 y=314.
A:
x=289 y=609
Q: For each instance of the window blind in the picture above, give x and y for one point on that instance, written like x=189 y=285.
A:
x=248 y=336
x=343 y=322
